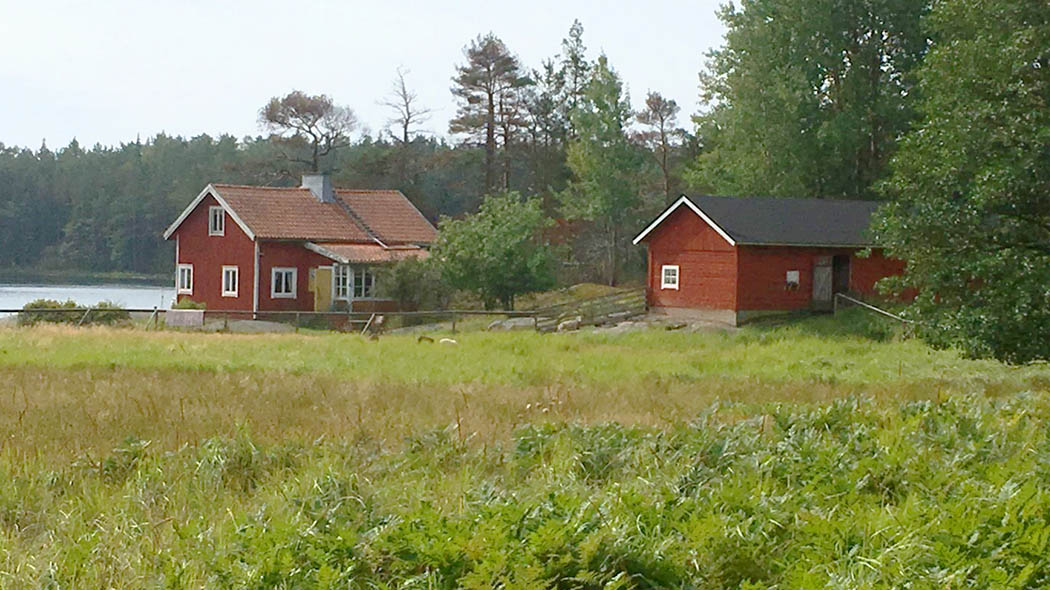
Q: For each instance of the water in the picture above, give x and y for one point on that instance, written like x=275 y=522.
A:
x=129 y=296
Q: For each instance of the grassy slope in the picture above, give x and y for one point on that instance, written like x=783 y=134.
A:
x=332 y=461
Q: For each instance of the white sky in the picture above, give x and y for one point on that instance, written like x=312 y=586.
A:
x=108 y=70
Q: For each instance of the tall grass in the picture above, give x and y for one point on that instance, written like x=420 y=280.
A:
x=855 y=493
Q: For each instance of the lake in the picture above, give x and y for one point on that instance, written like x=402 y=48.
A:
x=132 y=296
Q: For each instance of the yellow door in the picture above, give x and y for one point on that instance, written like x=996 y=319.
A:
x=321 y=286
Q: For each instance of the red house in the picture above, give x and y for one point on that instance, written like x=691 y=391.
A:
x=310 y=248
x=733 y=259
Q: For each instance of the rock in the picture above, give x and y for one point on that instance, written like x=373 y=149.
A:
x=512 y=324
x=570 y=324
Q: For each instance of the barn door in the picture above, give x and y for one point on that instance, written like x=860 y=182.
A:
x=822 y=274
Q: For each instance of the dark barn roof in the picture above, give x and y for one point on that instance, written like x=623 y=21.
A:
x=772 y=221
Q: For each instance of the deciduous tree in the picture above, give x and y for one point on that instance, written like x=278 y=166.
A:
x=307 y=128
x=808 y=97
x=971 y=184
x=499 y=252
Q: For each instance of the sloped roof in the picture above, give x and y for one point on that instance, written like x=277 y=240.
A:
x=389 y=215
x=772 y=221
x=293 y=213
x=366 y=253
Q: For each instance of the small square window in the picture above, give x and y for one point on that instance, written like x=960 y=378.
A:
x=216 y=221
x=669 y=277
x=230 y=276
x=184 y=279
x=792 y=278
x=282 y=285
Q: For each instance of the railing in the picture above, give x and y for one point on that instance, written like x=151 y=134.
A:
x=868 y=306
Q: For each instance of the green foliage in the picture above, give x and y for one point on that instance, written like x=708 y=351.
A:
x=854 y=493
x=499 y=252
x=187 y=303
x=103 y=313
x=608 y=170
x=808 y=97
x=415 y=284
x=970 y=212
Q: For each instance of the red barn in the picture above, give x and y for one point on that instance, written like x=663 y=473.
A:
x=307 y=248
x=732 y=259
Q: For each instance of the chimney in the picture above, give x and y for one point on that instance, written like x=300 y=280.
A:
x=321 y=186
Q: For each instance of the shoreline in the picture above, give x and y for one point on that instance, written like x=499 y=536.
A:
x=22 y=276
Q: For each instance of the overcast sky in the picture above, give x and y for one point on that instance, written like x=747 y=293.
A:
x=106 y=71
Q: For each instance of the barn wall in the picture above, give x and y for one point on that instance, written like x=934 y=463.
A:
x=208 y=254
x=707 y=264
x=288 y=254
x=865 y=272
x=763 y=272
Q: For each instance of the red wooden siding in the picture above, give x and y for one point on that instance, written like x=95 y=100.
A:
x=208 y=254
x=287 y=254
x=865 y=272
x=707 y=264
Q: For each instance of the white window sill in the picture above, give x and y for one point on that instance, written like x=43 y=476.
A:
x=282 y=295
x=185 y=292
x=232 y=295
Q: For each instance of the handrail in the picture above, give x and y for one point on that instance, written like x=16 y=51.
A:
x=873 y=308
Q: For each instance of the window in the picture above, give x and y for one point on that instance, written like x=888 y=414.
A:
x=184 y=280
x=792 y=280
x=350 y=283
x=230 y=275
x=669 y=277
x=341 y=279
x=364 y=283
x=282 y=284
x=216 y=221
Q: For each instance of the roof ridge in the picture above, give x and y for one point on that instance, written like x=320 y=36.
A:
x=256 y=186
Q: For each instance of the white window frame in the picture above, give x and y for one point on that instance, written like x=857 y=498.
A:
x=236 y=280
x=666 y=284
x=344 y=272
x=793 y=278
x=294 y=272
x=212 y=217
x=364 y=272
x=179 y=289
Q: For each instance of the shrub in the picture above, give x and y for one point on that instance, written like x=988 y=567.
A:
x=188 y=303
x=45 y=310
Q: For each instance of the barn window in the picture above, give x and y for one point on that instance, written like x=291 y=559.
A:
x=792 y=279
x=216 y=221
x=185 y=279
x=282 y=283
x=230 y=276
x=669 y=276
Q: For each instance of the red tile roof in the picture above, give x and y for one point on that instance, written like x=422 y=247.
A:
x=389 y=215
x=367 y=253
x=360 y=216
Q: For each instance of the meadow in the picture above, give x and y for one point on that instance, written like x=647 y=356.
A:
x=828 y=452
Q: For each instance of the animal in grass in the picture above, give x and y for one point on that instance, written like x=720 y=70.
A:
x=447 y=341
x=425 y=338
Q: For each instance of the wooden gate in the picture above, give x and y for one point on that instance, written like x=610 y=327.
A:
x=822 y=283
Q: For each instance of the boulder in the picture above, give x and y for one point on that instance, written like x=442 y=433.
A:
x=570 y=324
x=512 y=324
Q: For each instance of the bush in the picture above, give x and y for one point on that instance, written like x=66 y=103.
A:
x=37 y=311
x=104 y=313
x=188 y=303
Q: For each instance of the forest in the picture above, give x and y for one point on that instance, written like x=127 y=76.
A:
x=938 y=108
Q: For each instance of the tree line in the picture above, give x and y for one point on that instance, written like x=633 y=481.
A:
x=938 y=107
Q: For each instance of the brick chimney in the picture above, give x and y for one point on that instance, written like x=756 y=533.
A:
x=321 y=186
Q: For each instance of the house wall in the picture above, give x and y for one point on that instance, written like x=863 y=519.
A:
x=288 y=254
x=865 y=272
x=707 y=265
x=208 y=254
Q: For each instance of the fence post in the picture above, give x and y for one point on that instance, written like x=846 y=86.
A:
x=156 y=319
x=453 y=322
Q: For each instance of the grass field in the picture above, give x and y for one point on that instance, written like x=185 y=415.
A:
x=820 y=453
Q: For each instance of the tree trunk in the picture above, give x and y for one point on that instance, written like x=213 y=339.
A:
x=490 y=146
